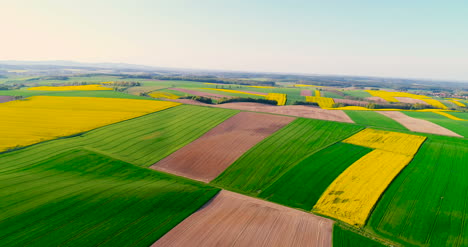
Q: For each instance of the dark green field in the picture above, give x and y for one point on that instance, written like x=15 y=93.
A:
x=80 y=198
x=374 y=119
x=346 y=238
x=303 y=184
x=427 y=203
x=268 y=160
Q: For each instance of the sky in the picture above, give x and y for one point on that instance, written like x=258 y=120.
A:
x=398 y=38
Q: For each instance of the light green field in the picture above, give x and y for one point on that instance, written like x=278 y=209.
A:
x=427 y=204
x=80 y=198
x=374 y=119
x=263 y=164
x=357 y=93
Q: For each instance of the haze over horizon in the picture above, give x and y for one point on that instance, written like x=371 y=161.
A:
x=417 y=39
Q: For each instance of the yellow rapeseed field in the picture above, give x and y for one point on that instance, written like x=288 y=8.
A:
x=434 y=103
x=42 y=118
x=92 y=87
x=323 y=102
x=389 y=96
x=458 y=103
x=279 y=97
x=317 y=93
x=449 y=116
x=387 y=140
x=157 y=94
x=353 y=194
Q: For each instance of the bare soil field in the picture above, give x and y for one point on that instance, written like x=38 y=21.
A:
x=231 y=219
x=351 y=102
x=377 y=99
x=205 y=158
x=418 y=125
x=4 y=99
x=292 y=110
x=410 y=100
x=198 y=93
x=306 y=92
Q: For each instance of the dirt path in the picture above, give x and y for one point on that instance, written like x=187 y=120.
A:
x=205 y=158
x=418 y=125
x=306 y=92
x=231 y=219
x=351 y=102
x=4 y=99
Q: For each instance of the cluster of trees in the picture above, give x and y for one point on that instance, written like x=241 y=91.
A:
x=305 y=103
x=248 y=99
x=202 y=99
x=11 y=86
x=124 y=83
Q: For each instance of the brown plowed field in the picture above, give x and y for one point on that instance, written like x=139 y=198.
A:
x=410 y=100
x=4 y=99
x=208 y=156
x=418 y=125
x=306 y=92
x=377 y=99
x=198 y=93
x=291 y=110
x=232 y=219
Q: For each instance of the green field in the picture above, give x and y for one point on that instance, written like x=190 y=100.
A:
x=80 y=198
x=459 y=127
x=374 y=119
x=268 y=160
x=346 y=238
x=302 y=185
x=427 y=204
x=330 y=94
x=140 y=141
x=462 y=115
x=357 y=93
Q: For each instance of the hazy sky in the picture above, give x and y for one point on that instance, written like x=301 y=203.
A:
x=401 y=38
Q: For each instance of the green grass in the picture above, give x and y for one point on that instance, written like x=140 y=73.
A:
x=357 y=93
x=141 y=141
x=269 y=159
x=459 y=127
x=302 y=185
x=374 y=119
x=346 y=238
x=330 y=94
x=80 y=198
x=102 y=94
x=462 y=115
x=427 y=204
